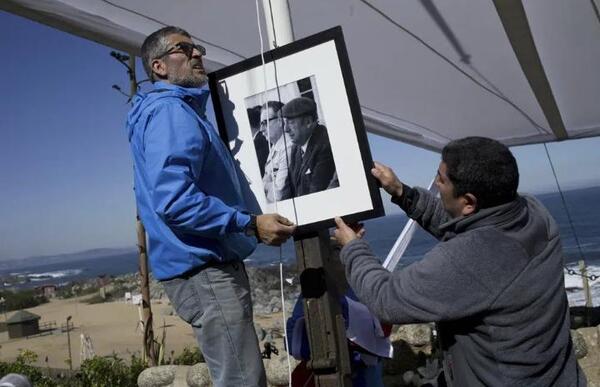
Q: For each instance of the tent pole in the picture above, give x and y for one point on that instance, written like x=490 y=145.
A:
x=330 y=361
x=278 y=21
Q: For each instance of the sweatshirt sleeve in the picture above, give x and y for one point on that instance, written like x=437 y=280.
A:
x=424 y=207
x=174 y=146
x=431 y=290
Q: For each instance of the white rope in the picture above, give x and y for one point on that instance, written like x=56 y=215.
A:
x=264 y=101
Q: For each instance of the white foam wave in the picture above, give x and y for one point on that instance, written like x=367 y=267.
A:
x=54 y=274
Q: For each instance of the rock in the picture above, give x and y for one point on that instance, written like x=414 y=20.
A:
x=277 y=369
x=260 y=332
x=157 y=376
x=405 y=358
x=579 y=345
x=410 y=378
x=590 y=363
x=393 y=381
x=417 y=335
x=198 y=376
x=590 y=335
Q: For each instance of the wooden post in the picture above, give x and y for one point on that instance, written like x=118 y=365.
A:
x=148 y=344
x=320 y=284
x=69 y=343
x=586 y=292
x=586 y=284
x=145 y=289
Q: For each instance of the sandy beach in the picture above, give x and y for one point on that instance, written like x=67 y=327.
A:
x=113 y=328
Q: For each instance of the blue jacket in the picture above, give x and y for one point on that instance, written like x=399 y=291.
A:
x=187 y=189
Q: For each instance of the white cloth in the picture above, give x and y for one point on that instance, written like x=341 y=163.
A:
x=276 y=170
x=365 y=330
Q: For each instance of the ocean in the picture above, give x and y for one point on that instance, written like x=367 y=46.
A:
x=583 y=204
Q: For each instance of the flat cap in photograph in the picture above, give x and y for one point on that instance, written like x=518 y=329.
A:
x=297 y=107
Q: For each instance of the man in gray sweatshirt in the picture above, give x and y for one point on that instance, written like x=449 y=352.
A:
x=494 y=283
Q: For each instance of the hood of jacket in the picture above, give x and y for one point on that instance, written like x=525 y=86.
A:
x=142 y=102
x=524 y=219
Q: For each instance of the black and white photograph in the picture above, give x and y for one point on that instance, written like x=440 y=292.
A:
x=293 y=124
x=291 y=141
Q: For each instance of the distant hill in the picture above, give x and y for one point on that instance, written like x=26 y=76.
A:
x=69 y=257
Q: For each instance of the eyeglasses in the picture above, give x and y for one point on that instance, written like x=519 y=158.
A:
x=185 y=48
x=264 y=122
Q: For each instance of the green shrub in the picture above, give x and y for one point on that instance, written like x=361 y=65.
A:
x=189 y=356
x=95 y=299
x=109 y=371
x=22 y=299
x=23 y=366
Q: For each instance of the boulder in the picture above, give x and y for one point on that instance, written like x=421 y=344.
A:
x=198 y=376
x=590 y=363
x=277 y=369
x=160 y=376
x=260 y=332
x=416 y=335
x=579 y=345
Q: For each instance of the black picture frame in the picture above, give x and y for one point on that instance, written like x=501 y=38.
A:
x=229 y=126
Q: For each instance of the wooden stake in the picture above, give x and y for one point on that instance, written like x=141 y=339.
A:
x=145 y=290
x=330 y=360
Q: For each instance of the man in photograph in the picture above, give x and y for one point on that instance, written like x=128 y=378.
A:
x=312 y=168
x=189 y=198
x=276 y=167
x=494 y=283
x=261 y=145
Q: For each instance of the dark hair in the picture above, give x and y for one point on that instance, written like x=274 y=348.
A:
x=275 y=105
x=157 y=44
x=482 y=167
x=254 y=116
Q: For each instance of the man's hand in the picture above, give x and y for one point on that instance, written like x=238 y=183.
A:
x=274 y=229
x=388 y=180
x=344 y=234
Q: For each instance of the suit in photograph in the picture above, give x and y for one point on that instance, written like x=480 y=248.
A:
x=314 y=169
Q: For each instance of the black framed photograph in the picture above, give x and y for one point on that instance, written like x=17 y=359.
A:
x=292 y=121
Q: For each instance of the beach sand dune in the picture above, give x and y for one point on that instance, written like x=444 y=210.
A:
x=112 y=327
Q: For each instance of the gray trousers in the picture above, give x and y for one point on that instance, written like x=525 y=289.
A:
x=216 y=302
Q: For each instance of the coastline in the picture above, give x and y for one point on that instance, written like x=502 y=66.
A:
x=114 y=326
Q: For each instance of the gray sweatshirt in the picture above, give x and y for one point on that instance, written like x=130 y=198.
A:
x=494 y=285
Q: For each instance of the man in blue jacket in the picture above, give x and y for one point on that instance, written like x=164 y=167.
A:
x=190 y=200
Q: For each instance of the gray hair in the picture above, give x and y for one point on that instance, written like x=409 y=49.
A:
x=157 y=44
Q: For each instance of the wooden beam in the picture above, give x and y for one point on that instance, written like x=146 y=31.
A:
x=513 y=17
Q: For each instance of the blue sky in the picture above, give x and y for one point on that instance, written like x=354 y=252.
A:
x=65 y=168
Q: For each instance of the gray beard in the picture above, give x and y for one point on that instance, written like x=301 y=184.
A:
x=190 y=81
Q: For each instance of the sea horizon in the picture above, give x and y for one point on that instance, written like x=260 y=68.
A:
x=61 y=269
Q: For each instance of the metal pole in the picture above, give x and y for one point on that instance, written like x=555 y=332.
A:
x=278 y=21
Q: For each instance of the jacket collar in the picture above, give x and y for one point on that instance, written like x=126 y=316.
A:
x=197 y=97
x=499 y=216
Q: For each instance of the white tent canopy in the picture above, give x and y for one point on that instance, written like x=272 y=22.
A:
x=426 y=71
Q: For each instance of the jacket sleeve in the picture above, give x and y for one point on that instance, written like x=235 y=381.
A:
x=431 y=290
x=425 y=208
x=174 y=148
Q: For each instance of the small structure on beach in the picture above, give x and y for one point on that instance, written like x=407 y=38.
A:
x=23 y=324
x=48 y=291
